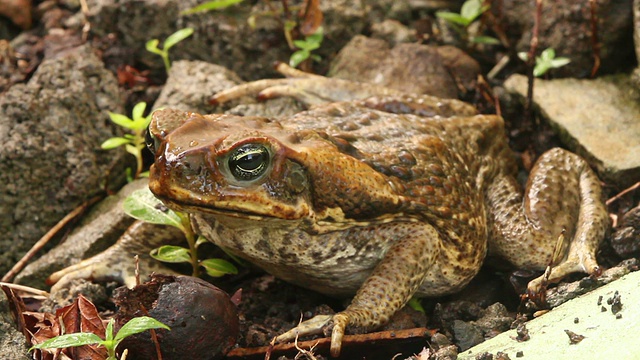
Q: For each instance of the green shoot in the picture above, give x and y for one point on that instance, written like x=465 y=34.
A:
x=176 y=37
x=134 y=141
x=142 y=205
x=306 y=46
x=416 y=304
x=470 y=11
x=545 y=62
x=211 y=5
x=133 y=326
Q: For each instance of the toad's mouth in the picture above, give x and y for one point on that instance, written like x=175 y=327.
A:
x=227 y=209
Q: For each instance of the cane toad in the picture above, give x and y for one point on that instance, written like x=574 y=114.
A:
x=385 y=198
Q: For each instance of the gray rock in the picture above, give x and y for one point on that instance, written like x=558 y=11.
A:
x=597 y=119
x=564 y=20
x=192 y=83
x=466 y=334
x=50 y=161
x=222 y=37
x=625 y=241
x=606 y=335
x=98 y=230
x=13 y=345
x=412 y=68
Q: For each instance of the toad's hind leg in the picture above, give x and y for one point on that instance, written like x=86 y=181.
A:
x=562 y=199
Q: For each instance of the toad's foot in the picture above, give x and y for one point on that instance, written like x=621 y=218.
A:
x=117 y=262
x=312 y=89
x=317 y=326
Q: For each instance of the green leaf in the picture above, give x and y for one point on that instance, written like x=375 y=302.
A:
x=298 y=57
x=68 y=340
x=132 y=150
x=540 y=69
x=138 y=325
x=201 y=240
x=487 y=40
x=305 y=45
x=316 y=37
x=471 y=9
x=171 y=254
x=141 y=123
x=548 y=54
x=523 y=56
x=218 y=267
x=415 y=304
x=289 y=25
x=211 y=5
x=176 y=37
x=152 y=46
x=108 y=333
x=453 y=17
x=120 y=120
x=142 y=205
x=559 y=62
x=114 y=142
x=138 y=110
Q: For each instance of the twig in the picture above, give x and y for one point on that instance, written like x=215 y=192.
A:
x=48 y=236
x=87 y=25
x=595 y=45
x=26 y=289
x=622 y=193
x=531 y=60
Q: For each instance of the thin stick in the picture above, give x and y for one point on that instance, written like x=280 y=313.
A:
x=531 y=60
x=48 y=236
x=622 y=193
x=595 y=45
x=26 y=289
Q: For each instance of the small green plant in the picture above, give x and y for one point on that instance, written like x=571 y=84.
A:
x=470 y=11
x=142 y=205
x=545 y=62
x=133 y=142
x=211 y=5
x=176 y=37
x=111 y=342
x=306 y=46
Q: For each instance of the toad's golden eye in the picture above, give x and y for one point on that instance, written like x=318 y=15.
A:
x=248 y=162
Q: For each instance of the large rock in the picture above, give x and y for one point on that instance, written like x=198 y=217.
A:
x=412 y=68
x=566 y=26
x=597 y=119
x=594 y=316
x=50 y=161
x=225 y=37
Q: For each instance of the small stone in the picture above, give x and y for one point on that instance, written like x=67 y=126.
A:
x=520 y=354
x=573 y=337
x=618 y=316
x=576 y=320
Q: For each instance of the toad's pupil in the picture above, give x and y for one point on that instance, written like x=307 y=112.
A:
x=249 y=162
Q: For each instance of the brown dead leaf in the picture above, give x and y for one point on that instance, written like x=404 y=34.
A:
x=80 y=316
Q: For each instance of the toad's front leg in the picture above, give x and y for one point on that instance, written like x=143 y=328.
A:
x=412 y=260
